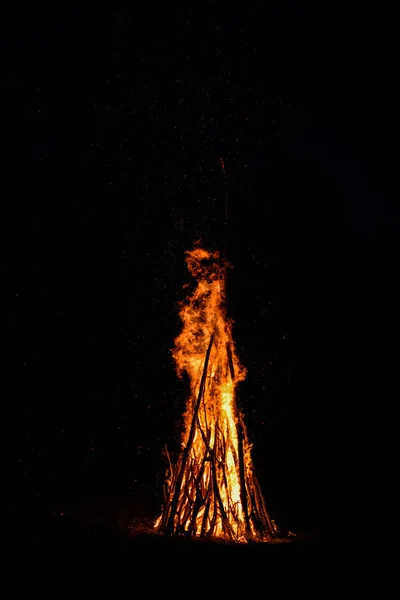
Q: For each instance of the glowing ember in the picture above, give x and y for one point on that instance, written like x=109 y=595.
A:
x=212 y=491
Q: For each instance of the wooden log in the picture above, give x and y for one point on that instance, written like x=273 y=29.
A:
x=240 y=432
x=199 y=501
x=169 y=527
x=206 y=510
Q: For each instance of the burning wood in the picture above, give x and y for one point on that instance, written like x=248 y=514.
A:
x=212 y=491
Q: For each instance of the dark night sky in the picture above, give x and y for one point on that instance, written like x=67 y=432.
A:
x=115 y=123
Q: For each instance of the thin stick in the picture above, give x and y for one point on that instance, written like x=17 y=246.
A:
x=174 y=503
x=243 y=495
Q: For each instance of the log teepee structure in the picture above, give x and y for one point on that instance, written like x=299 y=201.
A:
x=212 y=491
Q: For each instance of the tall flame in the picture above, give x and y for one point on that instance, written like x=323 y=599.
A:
x=212 y=491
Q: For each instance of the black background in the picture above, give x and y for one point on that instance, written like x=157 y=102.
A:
x=115 y=125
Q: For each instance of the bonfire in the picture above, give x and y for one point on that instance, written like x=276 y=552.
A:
x=212 y=491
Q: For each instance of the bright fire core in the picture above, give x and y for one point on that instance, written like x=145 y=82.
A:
x=212 y=491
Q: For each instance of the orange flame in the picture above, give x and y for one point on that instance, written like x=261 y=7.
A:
x=212 y=490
